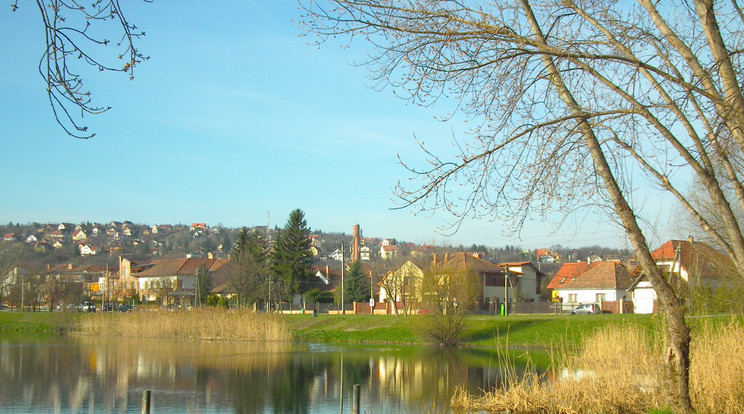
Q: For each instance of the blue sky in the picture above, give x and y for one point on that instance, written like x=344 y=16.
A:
x=233 y=116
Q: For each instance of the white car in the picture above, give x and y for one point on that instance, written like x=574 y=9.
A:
x=586 y=309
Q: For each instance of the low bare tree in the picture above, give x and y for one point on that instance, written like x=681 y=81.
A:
x=580 y=103
x=447 y=296
x=10 y=258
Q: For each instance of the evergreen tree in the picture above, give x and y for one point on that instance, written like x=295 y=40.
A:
x=292 y=255
x=203 y=285
x=356 y=284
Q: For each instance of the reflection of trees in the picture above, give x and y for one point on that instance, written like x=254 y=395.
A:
x=102 y=374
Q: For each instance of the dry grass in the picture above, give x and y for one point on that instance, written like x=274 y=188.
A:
x=717 y=369
x=203 y=324
x=618 y=371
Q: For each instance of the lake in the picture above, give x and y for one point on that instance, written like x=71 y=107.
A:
x=95 y=375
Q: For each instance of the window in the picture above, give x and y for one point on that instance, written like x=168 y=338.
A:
x=601 y=297
x=572 y=298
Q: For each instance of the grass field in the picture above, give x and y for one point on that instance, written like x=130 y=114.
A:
x=544 y=331
x=38 y=323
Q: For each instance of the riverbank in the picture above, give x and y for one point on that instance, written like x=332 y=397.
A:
x=528 y=331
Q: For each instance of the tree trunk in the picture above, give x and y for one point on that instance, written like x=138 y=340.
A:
x=677 y=334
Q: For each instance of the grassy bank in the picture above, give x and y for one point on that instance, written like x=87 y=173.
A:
x=38 y=323
x=522 y=330
x=544 y=331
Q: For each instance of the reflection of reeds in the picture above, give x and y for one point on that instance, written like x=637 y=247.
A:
x=205 y=324
x=112 y=356
x=619 y=370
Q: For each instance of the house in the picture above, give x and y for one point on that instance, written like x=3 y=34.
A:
x=154 y=229
x=79 y=236
x=31 y=239
x=515 y=282
x=567 y=273
x=43 y=246
x=87 y=250
x=10 y=237
x=682 y=262
x=173 y=281
x=337 y=255
x=423 y=251
x=57 y=244
x=388 y=251
x=602 y=282
x=199 y=226
x=364 y=253
x=404 y=285
x=56 y=235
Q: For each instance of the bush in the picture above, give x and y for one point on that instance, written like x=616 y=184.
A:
x=316 y=296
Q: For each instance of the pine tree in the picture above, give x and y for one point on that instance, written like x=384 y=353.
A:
x=292 y=255
x=357 y=285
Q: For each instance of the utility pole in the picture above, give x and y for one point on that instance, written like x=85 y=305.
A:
x=506 y=291
x=343 y=308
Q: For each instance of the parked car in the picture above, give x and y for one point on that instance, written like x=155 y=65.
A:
x=3 y=307
x=586 y=309
x=87 y=307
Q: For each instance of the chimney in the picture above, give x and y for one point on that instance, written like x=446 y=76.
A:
x=328 y=272
x=434 y=260
x=355 y=247
x=446 y=257
x=69 y=266
x=210 y=256
x=689 y=239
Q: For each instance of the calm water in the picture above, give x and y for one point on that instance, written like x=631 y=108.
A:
x=101 y=375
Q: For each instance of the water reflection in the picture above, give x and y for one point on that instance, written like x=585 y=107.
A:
x=88 y=374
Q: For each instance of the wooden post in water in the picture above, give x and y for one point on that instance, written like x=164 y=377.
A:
x=355 y=400
x=146 y=402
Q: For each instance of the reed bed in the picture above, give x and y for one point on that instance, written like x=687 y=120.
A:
x=196 y=324
x=618 y=370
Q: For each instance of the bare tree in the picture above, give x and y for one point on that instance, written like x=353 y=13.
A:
x=10 y=257
x=447 y=295
x=74 y=36
x=580 y=103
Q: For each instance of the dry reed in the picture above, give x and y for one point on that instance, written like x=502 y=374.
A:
x=618 y=370
x=196 y=324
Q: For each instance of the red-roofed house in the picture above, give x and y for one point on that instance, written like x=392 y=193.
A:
x=683 y=261
x=601 y=282
x=173 y=280
x=568 y=272
x=388 y=251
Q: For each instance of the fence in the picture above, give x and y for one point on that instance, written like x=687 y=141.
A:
x=518 y=308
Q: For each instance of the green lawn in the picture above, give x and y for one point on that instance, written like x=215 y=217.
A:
x=521 y=330
x=543 y=331
x=37 y=322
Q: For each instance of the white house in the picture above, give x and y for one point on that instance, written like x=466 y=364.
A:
x=687 y=261
x=598 y=282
